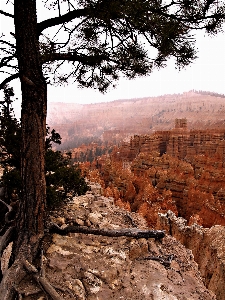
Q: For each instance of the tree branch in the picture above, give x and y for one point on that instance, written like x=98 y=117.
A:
x=7 y=43
x=5 y=60
x=62 y=19
x=6 y=14
x=189 y=19
x=73 y=56
x=129 y=232
x=8 y=79
x=164 y=261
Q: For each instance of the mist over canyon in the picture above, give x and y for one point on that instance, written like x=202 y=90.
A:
x=117 y=120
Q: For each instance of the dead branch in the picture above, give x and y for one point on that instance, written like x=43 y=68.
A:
x=131 y=220
x=129 y=232
x=6 y=14
x=164 y=261
x=42 y=281
x=42 y=269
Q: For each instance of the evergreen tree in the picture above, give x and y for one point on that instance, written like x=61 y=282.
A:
x=59 y=173
x=102 y=39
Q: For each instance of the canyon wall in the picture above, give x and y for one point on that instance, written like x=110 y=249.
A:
x=181 y=143
x=207 y=245
x=79 y=123
x=191 y=164
x=154 y=173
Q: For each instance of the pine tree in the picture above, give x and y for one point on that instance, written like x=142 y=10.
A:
x=102 y=40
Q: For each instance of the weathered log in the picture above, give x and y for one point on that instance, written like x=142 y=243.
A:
x=16 y=272
x=7 y=205
x=129 y=232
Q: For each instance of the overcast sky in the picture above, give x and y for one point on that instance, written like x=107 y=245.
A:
x=206 y=73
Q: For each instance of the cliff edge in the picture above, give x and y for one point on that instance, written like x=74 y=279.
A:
x=87 y=267
x=207 y=246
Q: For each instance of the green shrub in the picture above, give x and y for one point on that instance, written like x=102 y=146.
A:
x=62 y=180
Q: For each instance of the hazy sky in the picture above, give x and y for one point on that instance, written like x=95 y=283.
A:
x=206 y=73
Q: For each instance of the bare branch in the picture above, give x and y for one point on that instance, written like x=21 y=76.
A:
x=8 y=79
x=71 y=32
x=62 y=19
x=166 y=261
x=5 y=60
x=8 y=213
x=6 y=14
x=129 y=232
x=7 y=43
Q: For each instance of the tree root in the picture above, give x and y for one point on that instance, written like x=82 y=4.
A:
x=42 y=281
x=10 y=209
x=129 y=232
x=12 y=277
x=16 y=273
x=4 y=241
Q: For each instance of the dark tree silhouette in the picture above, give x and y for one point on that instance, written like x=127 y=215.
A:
x=100 y=39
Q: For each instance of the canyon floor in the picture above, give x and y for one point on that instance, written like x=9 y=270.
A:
x=88 y=267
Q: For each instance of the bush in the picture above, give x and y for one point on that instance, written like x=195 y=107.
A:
x=65 y=182
x=61 y=179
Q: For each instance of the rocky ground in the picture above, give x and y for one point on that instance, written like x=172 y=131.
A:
x=88 y=267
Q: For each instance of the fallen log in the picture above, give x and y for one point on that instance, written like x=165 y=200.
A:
x=128 y=232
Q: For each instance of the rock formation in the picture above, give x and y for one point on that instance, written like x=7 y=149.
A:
x=207 y=245
x=180 y=143
x=116 y=120
x=189 y=164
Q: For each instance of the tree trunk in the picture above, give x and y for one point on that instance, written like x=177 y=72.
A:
x=29 y=223
x=30 y=217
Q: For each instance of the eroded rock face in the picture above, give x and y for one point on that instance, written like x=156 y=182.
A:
x=179 y=142
x=76 y=122
x=207 y=245
x=90 y=267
